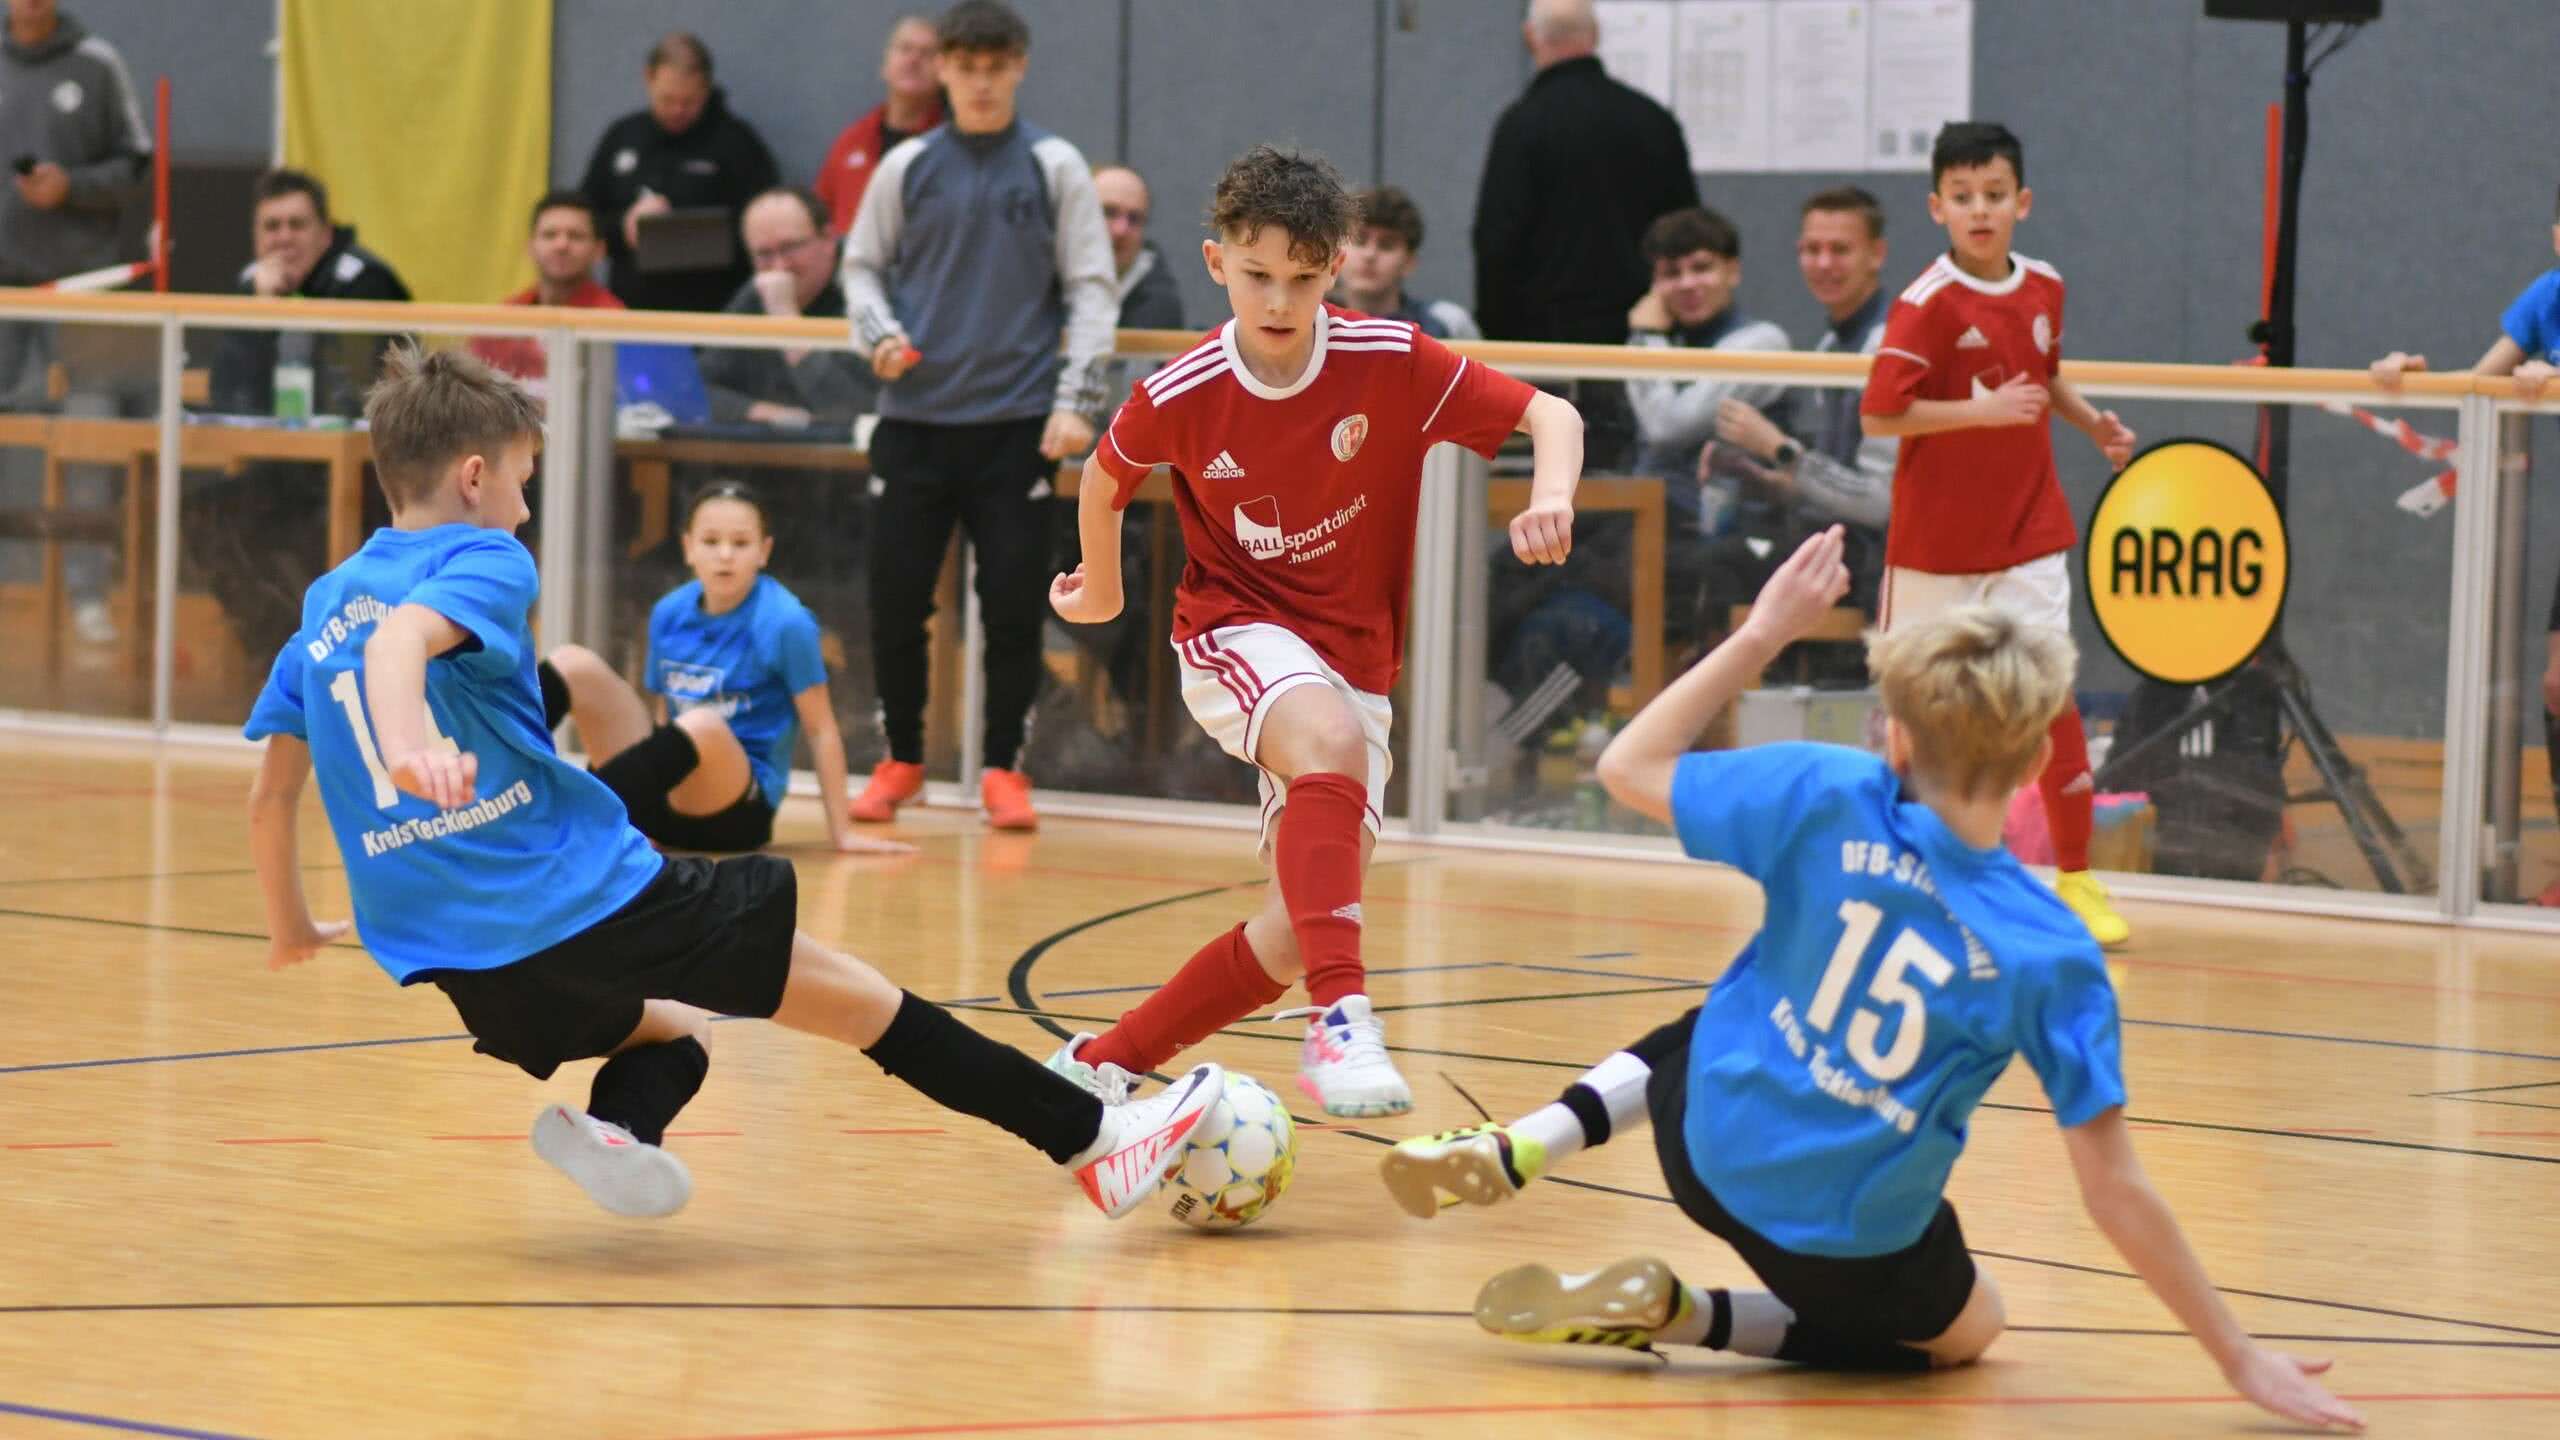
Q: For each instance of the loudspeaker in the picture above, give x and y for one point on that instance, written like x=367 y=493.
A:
x=2310 y=12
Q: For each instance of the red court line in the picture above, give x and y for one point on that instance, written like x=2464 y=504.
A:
x=1598 y=1407
x=64 y=1145
x=475 y=1137
x=2541 y=1133
x=276 y=1140
x=2297 y=976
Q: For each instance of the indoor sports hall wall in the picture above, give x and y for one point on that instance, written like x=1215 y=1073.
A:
x=2427 y=203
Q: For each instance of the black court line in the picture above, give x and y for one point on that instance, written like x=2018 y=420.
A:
x=228 y=1054
x=2278 y=1134
x=897 y=1307
x=1018 y=985
x=152 y=875
x=2483 y=1090
x=2506 y=1104
x=2340 y=1039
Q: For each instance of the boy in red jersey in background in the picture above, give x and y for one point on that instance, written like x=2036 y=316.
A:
x=1296 y=434
x=1971 y=357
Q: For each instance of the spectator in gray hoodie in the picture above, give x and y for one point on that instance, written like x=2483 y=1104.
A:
x=74 y=138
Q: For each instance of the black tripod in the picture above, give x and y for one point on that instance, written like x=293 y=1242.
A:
x=2397 y=867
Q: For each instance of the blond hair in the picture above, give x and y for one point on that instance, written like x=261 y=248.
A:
x=1975 y=690
x=433 y=408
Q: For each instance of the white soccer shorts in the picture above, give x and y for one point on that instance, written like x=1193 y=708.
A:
x=2038 y=593
x=1231 y=675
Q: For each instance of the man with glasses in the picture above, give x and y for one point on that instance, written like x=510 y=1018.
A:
x=784 y=233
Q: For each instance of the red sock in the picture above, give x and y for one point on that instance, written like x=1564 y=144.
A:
x=2070 y=800
x=1215 y=988
x=1317 y=857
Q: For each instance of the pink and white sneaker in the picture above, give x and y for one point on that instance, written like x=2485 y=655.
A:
x=1140 y=1142
x=1344 y=1065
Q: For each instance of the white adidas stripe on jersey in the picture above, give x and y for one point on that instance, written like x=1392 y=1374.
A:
x=1190 y=382
x=1188 y=365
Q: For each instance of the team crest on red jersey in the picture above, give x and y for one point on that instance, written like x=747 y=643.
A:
x=1348 y=436
x=2044 y=333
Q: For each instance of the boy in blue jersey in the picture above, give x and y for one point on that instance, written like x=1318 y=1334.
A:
x=481 y=863
x=1809 y=1112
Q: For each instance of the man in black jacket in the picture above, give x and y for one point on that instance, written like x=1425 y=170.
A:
x=258 y=538
x=301 y=251
x=1578 y=168
x=685 y=152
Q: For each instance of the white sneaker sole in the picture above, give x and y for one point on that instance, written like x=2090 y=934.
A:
x=1465 y=1171
x=1368 y=1108
x=640 y=1181
x=1625 y=1304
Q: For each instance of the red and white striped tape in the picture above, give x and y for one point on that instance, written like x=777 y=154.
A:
x=91 y=281
x=2429 y=495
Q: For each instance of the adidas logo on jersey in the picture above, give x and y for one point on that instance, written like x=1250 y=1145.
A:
x=1350 y=912
x=1223 y=468
x=1972 y=339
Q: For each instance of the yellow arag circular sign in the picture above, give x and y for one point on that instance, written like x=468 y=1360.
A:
x=2188 y=562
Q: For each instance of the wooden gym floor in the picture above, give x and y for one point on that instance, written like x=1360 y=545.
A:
x=244 y=1204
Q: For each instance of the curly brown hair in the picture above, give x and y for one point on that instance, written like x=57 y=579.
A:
x=1297 y=190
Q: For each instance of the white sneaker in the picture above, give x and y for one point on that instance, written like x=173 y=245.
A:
x=1344 y=1066
x=1106 y=1082
x=617 y=1171
x=1141 y=1142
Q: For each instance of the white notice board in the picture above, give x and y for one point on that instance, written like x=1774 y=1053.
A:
x=1777 y=85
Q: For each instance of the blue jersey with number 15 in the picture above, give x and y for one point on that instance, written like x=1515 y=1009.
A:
x=543 y=852
x=1897 y=970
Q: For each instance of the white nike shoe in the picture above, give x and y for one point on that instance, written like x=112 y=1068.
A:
x=1344 y=1065
x=1140 y=1143
x=1106 y=1082
x=617 y=1171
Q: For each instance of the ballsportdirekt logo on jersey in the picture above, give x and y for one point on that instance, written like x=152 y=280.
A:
x=1259 y=530
x=2188 y=562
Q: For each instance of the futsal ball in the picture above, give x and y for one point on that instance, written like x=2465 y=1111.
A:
x=1237 y=1160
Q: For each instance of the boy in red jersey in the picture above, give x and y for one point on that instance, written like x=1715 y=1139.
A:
x=1296 y=433
x=1970 y=360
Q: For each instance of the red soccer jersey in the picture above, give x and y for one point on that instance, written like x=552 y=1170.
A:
x=1298 y=504
x=1969 y=502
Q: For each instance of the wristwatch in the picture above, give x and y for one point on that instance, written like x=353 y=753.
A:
x=1790 y=451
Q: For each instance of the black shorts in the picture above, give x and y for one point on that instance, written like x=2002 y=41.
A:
x=716 y=934
x=642 y=775
x=1906 y=1297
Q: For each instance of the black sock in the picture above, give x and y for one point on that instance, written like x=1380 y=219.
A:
x=1828 y=1350
x=960 y=1069
x=642 y=1088
x=555 y=695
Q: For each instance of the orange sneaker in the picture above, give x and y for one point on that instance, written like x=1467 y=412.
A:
x=893 y=783
x=1007 y=796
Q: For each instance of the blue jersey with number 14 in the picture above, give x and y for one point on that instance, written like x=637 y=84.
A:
x=543 y=852
x=1835 y=1065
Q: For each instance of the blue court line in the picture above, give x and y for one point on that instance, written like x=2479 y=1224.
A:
x=109 y=1422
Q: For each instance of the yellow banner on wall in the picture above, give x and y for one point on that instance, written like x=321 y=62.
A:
x=431 y=126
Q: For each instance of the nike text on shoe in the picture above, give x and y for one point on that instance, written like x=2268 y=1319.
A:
x=1625 y=1304
x=1344 y=1066
x=1141 y=1142
x=617 y=1172
x=1106 y=1082
x=1479 y=1165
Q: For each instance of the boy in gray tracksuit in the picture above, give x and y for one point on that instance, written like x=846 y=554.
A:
x=977 y=245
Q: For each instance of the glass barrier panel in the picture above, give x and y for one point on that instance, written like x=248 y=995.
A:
x=2520 y=860
x=78 y=519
